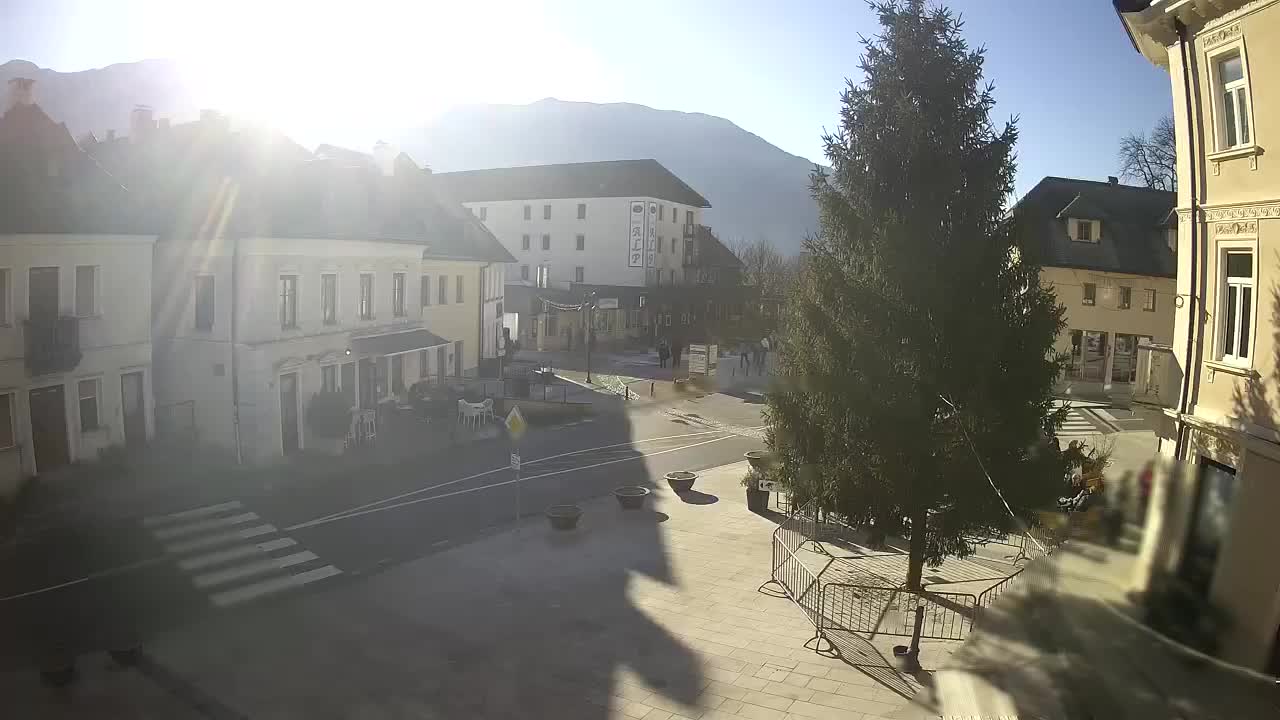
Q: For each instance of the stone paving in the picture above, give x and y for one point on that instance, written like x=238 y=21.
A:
x=650 y=614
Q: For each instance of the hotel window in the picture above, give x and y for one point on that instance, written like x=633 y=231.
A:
x=397 y=294
x=1236 y=306
x=1149 y=300
x=329 y=378
x=1090 y=294
x=581 y=241
x=425 y=291
x=582 y=211
x=329 y=298
x=528 y=212
x=688 y=217
x=1126 y=297
x=89 y=391
x=578 y=273
x=366 y=296
x=662 y=212
x=546 y=242
x=1232 y=101
x=524 y=272
x=288 y=301
x=86 y=290
x=524 y=242
x=204 y=302
x=457 y=289
x=442 y=295
x=546 y=212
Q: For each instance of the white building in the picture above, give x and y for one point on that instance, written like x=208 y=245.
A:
x=332 y=272
x=574 y=223
x=75 y=296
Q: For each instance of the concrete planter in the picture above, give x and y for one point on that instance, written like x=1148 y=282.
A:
x=564 y=517
x=757 y=500
x=631 y=497
x=681 y=481
x=759 y=459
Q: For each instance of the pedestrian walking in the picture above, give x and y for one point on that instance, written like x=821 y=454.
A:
x=675 y=354
x=744 y=360
x=663 y=351
x=764 y=354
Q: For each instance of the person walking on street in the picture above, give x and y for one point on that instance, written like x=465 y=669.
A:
x=764 y=354
x=675 y=354
x=663 y=350
x=744 y=360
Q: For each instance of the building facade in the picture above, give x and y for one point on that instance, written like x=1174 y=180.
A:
x=1109 y=254
x=574 y=223
x=75 y=296
x=334 y=272
x=1211 y=525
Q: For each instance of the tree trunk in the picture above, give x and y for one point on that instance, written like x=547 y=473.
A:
x=915 y=558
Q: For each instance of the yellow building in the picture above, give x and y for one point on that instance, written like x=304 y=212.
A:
x=1212 y=524
x=1108 y=253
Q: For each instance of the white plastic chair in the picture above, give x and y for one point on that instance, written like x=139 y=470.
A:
x=486 y=410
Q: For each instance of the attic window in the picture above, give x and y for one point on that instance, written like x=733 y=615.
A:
x=1084 y=230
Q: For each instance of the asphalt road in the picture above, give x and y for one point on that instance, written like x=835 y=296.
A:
x=114 y=584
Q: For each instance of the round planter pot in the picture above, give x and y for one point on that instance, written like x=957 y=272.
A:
x=757 y=500
x=681 y=480
x=759 y=459
x=631 y=497
x=904 y=659
x=564 y=517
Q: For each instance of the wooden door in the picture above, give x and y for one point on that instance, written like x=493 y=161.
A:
x=132 y=404
x=49 y=428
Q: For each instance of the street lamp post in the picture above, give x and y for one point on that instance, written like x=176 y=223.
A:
x=590 y=305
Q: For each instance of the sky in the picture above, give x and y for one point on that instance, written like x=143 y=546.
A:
x=1065 y=68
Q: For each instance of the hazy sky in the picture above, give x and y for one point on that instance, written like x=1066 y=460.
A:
x=348 y=69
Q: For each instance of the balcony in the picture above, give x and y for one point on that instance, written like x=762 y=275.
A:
x=52 y=344
x=690 y=232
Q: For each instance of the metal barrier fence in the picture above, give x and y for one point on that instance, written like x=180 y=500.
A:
x=789 y=571
x=892 y=611
x=881 y=609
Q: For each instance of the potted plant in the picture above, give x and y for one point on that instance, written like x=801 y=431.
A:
x=759 y=459
x=681 y=480
x=757 y=497
x=564 y=517
x=631 y=497
x=329 y=419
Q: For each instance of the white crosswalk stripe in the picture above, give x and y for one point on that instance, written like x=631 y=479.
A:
x=1076 y=425
x=229 y=550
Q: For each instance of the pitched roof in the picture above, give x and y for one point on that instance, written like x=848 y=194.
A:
x=612 y=178
x=1133 y=239
x=49 y=186
x=713 y=252
x=208 y=178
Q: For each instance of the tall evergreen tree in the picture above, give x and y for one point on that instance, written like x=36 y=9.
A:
x=920 y=337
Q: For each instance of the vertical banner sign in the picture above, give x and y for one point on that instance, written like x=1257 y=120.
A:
x=651 y=236
x=635 y=247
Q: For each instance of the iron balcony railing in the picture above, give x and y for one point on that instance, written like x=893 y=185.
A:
x=52 y=344
x=690 y=231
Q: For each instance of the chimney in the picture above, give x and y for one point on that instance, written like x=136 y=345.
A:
x=141 y=122
x=1113 y=180
x=384 y=158
x=20 y=91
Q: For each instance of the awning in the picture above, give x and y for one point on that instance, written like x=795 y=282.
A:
x=397 y=343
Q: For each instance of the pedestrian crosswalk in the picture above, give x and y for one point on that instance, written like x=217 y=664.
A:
x=1076 y=426
x=232 y=555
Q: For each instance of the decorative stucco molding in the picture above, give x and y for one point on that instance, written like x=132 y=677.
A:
x=1236 y=227
x=1217 y=37
x=1234 y=15
x=1240 y=212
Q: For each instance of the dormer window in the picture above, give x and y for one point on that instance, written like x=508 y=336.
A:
x=1082 y=230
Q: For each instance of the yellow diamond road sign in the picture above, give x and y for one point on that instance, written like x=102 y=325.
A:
x=515 y=423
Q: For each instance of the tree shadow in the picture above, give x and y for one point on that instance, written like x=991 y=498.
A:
x=1251 y=398
x=694 y=497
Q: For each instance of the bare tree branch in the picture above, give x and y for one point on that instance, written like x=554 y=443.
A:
x=766 y=268
x=1152 y=160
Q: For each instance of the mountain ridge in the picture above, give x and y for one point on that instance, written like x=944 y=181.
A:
x=755 y=188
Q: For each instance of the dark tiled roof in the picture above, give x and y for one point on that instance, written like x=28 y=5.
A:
x=209 y=178
x=613 y=178
x=1133 y=219
x=49 y=186
x=395 y=343
x=713 y=253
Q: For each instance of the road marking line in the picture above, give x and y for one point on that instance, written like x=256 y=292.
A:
x=355 y=513
x=504 y=468
x=240 y=572
x=197 y=527
x=92 y=576
x=211 y=540
x=235 y=553
x=274 y=585
x=191 y=514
